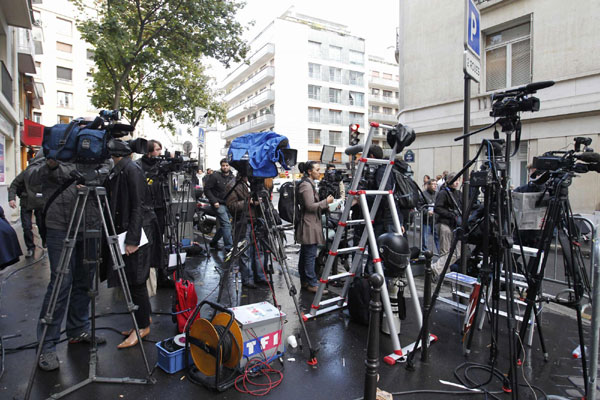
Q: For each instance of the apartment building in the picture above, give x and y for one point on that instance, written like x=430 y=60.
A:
x=18 y=91
x=66 y=65
x=522 y=41
x=306 y=79
x=383 y=96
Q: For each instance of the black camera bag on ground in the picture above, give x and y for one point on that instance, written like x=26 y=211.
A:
x=359 y=297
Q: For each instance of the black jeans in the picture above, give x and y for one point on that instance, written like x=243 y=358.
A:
x=139 y=295
x=28 y=226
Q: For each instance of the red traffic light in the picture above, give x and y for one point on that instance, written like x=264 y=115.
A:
x=354 y=127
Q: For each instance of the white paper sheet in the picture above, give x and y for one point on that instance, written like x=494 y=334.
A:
x=121 y=238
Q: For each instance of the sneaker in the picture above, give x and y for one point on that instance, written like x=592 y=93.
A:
x=29 y=253
x=48 y=361
x=86 y=337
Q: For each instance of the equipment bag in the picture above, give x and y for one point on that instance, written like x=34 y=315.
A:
x=406 y=193
x=91 y=146
x=359 y=296
x=60 y=141
x=184 y=304
x=287 y=207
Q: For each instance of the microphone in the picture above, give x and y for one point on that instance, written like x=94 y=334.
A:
x=535 y=86
x=353 y=150
x=589 y=157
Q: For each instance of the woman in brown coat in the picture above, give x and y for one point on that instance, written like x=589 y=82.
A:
x=310 y=232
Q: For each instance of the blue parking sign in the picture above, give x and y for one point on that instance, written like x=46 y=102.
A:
x=472 y=28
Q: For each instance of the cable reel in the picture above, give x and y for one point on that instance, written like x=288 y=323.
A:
x=216 y=347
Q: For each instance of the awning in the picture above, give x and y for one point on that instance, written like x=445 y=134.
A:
x=33 y=133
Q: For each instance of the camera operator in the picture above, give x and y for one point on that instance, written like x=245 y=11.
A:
x=126 y=190
x=245 y=210
x=31 y=200
x=428 y=227
x=214 y=190
x=73 y=295
x=332 y=183
x=448 y=204
x=309 y=232
x=154 y=196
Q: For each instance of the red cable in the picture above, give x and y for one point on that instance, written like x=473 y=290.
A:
x=253 y=387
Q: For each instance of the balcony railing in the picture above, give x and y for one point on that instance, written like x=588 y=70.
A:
x=262 y=122
x=262 y=77
x=262 y=55
x=388 y=83
x=7 y=84
x=26 y=51
x=266 y=97
x=382 y=117
x=383 y=99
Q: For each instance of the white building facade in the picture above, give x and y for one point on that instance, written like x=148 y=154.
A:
x=523 y=41
x=383 y=96
x=306 y=79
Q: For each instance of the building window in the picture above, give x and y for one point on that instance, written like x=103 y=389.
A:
x=356 y=78
x=89 y=53
x=357 y=99
x=314 y=49
x=314 y=92
x=387 y=111
x=64 y=27
x=335 y=138
x=387 y=76
x=335 y=117
x=356 y=118
x=375 y=91
x=375 y=74
x=64 y=47
x=37 y=17
x=335 y=95
x=63 y=119
x=335 y=74
x=374 y=109
x=314 y=136
x=387 y=94
x=335 y=53
x=508 y=57
x=37 y=117
x=38 y=67
x=314 y=114
x=64 y=74
x=64 y=99
x=356 y=57
x=314 y=71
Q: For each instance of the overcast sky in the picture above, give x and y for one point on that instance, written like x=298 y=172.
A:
x=375 y=20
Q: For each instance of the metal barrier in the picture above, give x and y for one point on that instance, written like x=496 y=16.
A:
x=418 y=218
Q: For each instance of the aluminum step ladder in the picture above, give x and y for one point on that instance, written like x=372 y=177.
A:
x=320 y=307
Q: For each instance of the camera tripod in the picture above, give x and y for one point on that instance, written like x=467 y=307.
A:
x=108 y=229
x=495 y=179
x=559 y=217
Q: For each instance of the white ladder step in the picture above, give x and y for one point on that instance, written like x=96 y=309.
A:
x=352 y=222
x=381 y=161
x=338 y=277
x=370 y=192
x=346 y=250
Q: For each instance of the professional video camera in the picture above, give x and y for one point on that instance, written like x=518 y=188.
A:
x=177 y=163
x=92 y=142
x=508 y=104
x=330 y=184
x=560 y=162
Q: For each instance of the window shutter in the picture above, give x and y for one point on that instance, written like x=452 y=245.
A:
x=495 y=64
x=521 y=63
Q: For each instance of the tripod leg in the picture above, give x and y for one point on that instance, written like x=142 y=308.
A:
x=62 y=270
x=119 y=264
x=539 y=330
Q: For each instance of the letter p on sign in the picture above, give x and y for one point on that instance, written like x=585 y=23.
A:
x=472 y=28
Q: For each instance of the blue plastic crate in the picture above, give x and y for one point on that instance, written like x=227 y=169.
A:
x=171 y=362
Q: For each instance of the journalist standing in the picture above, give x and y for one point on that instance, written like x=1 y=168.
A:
x=214 y=190
x=32 y=200
x=448 y=205
x=309 y=232
x=245 y=210
x=73 y=297
x=130 y=212
x=428 y=227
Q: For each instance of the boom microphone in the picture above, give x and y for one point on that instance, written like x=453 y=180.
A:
x=353 y=150
x=589 y=157
x=535 y=86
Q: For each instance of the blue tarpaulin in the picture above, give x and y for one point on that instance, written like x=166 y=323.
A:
x=262 y=150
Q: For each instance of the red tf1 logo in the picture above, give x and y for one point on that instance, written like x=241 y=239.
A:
x=263 y=343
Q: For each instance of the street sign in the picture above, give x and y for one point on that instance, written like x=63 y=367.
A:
x=472 y=28
x=472 y=66
x=201 y=135
x=409 y=156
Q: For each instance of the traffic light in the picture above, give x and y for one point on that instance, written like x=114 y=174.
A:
x=354 y=134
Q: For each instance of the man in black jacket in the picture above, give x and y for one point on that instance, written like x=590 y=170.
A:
x=32 y=200
x=448 y=204
x=215 y=191
x=73 y=298
x=428 y=227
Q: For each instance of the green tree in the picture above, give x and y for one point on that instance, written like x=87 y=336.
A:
x=148 y=52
